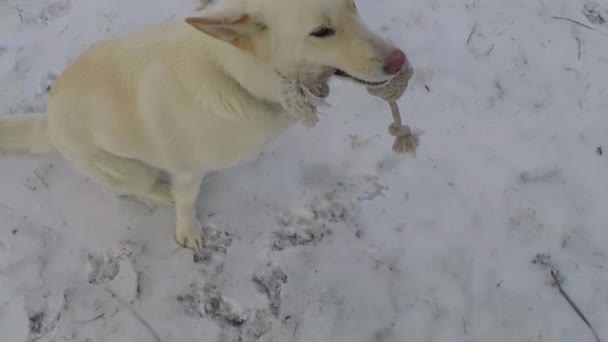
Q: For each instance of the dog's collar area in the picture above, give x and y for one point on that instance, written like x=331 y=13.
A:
x=341 y=73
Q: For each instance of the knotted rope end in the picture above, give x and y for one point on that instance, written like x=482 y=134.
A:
x=406 y=140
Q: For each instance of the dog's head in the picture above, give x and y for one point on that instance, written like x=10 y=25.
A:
x=294 y=33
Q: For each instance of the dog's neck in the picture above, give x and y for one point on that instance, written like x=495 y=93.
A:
x=254 y=74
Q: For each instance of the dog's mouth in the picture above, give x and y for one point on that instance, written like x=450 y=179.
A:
x=343 y=74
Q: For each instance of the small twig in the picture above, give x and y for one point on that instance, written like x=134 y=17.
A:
x=576 y=22
x=5 y=206
x=471 y=37
x=92 y=319
x=43 y=177
x=19 y=14
x=556 y=282
x=580 y=101
x=370 y=138
x=138 y=288
x=135 y=314
x=539 y=176
x=29 y=185
x=471 y=34
x=356 y=143
x=491 y=48
x=579 y=47
x=295 y=329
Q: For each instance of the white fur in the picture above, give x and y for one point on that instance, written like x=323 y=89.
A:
x=187 y=102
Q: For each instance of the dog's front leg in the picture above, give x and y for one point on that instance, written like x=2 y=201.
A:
x=185 y=190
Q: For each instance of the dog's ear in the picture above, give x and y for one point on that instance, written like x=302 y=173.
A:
x=234 y=28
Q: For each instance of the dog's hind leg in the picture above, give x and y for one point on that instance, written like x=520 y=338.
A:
x=159 y=193
x=122 y=176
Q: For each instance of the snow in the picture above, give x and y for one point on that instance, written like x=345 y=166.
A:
x=329 y=235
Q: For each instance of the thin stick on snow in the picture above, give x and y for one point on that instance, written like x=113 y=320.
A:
x=471 y=34
x=19 y=14
x=576 y=22
x=100 y=316
x=135 y=314
x=490 y=50
x=42 y=177
x=556 y=282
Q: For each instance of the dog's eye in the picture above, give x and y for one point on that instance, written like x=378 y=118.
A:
x=323 y=32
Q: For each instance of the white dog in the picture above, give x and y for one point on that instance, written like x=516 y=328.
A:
x=197 y=94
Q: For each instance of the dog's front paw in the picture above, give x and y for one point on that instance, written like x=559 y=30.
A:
x=190 y=236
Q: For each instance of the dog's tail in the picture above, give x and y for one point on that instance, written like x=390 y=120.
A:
x=25 y=133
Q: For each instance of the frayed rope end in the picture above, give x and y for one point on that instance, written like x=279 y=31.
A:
x=406 y=140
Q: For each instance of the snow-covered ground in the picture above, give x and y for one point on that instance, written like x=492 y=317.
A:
x=329 y=235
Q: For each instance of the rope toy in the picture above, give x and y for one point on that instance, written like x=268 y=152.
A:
x=406 y=140
x=302 y=94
